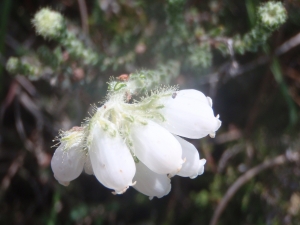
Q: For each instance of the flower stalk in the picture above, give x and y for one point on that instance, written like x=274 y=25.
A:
x=52 y=25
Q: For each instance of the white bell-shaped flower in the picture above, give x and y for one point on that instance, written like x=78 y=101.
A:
x=112 y=162
x=150 y=183
x=193 y=166
x=189 y=113
x=67 y=162
x=157 y=148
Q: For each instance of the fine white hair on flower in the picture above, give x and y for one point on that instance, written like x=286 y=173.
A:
x=137 y=144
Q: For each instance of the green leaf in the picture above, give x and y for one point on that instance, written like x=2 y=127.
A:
x=276 y=70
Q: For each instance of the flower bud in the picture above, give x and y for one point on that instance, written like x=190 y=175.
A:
x=12 y=65
x=272 y=14
x=48 y=23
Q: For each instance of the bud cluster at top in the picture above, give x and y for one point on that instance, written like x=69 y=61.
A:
x=48 y=23
x=272 y=14
x=51 y=25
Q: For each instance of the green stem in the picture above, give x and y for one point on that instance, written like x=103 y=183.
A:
x=276 y=69
x=53 y=213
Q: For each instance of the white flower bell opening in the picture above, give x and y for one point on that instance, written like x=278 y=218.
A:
x=150 y=183
x=157 y=148
x=137 y=144
x=189 y=114
x=111 y=160
x=68 y=160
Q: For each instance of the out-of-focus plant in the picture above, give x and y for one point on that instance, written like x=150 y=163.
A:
x=180 y=40
x=52 y=25
x=269 y=17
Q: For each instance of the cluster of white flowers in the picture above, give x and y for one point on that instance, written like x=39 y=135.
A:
x=137 y=144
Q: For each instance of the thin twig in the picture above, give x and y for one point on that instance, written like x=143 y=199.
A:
x=84 y=16
x=282 y=49
x=12 y=91
x=288 y=45
x=231 y=135
x=228 y=154
x=27 y=85
x=30 y=105
x=285 y=47
x=279 y=160
x=20 y=127
x=210 y=162
x=32 y=146
x=12 y=170
x=223 y=40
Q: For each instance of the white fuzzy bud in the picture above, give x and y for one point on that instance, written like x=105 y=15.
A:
x=12 y=65
x=48 y=23
x=272 y=14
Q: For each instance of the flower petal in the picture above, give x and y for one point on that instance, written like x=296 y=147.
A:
x=67 y=164
x=201 y=169
x=112 y=162
x=193 y=166
x=156 y=148
x=150 y=183
x=64 y=183
x=189 y=114
x=88 y=166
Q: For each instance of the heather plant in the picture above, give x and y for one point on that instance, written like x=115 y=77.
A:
x=123 y=92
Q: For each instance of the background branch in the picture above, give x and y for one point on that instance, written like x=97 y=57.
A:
x=83 y=16
x=279 y=160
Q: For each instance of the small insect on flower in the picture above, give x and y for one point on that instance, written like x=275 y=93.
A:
x=123 y=77
x=174 y=95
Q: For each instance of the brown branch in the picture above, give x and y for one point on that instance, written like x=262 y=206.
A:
x=288 y=45
x=83 y=16
x=279 y=160
x=210 y=162
x=285 y=47
x=20 y=128
x=231 y=135
x=11 y=172
x=227 y=155
x=34 y=146
x=236 y=71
